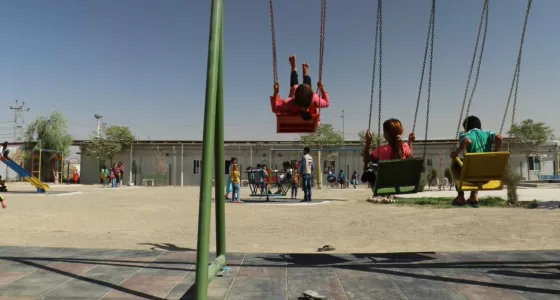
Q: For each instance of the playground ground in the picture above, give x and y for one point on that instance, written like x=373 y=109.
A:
x=166 y=219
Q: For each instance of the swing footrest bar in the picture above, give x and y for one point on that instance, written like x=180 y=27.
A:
x=215 y=267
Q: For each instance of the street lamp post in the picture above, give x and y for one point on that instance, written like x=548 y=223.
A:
x=98 y=117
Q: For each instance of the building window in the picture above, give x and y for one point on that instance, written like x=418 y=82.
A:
x=429 y=162
x=196 y=167
x=534 y=163
x=329 y=165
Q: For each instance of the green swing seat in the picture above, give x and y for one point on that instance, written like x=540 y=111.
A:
x=398 y=176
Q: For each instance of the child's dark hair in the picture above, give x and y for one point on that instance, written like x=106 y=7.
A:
x=393 y=130
x=304 y=95
x=5 y=144
x=259 y=166
x=306 y=150
x=305 y=115
x=472 y=122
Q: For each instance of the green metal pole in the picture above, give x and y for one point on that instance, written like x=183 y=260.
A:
x=219 y=150
x=201 y=279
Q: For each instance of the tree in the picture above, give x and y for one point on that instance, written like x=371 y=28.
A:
x=530 y=137
x=49 y=133
x=325 y=136
x=377 y=140
x=112 y=140
x=121 y=135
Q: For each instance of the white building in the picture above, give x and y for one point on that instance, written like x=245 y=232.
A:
x=181 y=161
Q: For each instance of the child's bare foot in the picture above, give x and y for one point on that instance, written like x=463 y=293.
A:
x=4 y=204
x=305 y=68
x=292 y=60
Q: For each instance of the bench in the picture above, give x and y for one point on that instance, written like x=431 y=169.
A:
x=153 y=180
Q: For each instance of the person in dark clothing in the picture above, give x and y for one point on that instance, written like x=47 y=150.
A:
x=5 y=150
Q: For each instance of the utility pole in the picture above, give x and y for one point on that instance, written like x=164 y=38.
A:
x=19 y=120
x=98 y=117
x=342 y=116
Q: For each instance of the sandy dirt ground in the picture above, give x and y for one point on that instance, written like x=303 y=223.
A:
x=143 y=218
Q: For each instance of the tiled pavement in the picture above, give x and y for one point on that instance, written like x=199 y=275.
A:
x=63 y=273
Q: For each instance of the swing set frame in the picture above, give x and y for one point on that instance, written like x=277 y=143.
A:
x=213 y=151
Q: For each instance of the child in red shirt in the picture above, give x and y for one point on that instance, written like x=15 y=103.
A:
x=395 y=148
x=302 y=99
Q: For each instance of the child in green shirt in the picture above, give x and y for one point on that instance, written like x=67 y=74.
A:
x=474 y=140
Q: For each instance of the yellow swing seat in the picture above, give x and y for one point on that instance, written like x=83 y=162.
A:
x=482 y=171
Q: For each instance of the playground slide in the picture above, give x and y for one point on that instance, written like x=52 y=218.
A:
x=41 y=187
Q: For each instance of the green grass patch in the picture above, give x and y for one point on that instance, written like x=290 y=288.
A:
x=446 y=202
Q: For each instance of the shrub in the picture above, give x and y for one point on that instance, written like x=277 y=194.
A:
x=449 y=175
x=432 y=177
x=512 y=179
x=422 y=184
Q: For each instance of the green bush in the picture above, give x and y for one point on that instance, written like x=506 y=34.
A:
x=449 y=175
x=511 y=180
x=432 y=177
x=422 y=184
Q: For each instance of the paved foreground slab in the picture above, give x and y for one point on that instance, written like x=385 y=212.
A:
x=67 y=273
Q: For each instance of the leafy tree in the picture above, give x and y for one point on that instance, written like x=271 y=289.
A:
x=530 y=137
x=325 y=136
x=377 y=140
x=112 y=140
x=121 y=135
x=50 y=133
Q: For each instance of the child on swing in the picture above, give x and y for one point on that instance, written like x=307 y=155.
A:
x=302 y=99
x=474 y=140
x=395 y=148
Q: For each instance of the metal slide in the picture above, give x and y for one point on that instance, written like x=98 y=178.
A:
x=34 y=181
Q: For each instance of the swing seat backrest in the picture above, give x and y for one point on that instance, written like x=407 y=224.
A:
x=398 y=176
x=293 y=123
x=482 y=171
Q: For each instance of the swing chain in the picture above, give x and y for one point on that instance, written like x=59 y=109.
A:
x=273 y=33
x=479 y=59
x=375 y=43
x=322 y=37
x=422 y=74
x=432 y=24
x=380 y=21
x=515 y=81
x=483 y=21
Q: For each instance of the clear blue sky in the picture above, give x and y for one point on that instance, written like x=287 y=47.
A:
x=142 y=63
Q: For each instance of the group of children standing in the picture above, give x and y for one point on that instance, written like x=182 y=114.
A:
x=233 y=184
x=112 y=176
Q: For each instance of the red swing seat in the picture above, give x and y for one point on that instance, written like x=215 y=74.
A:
x=293 y=123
